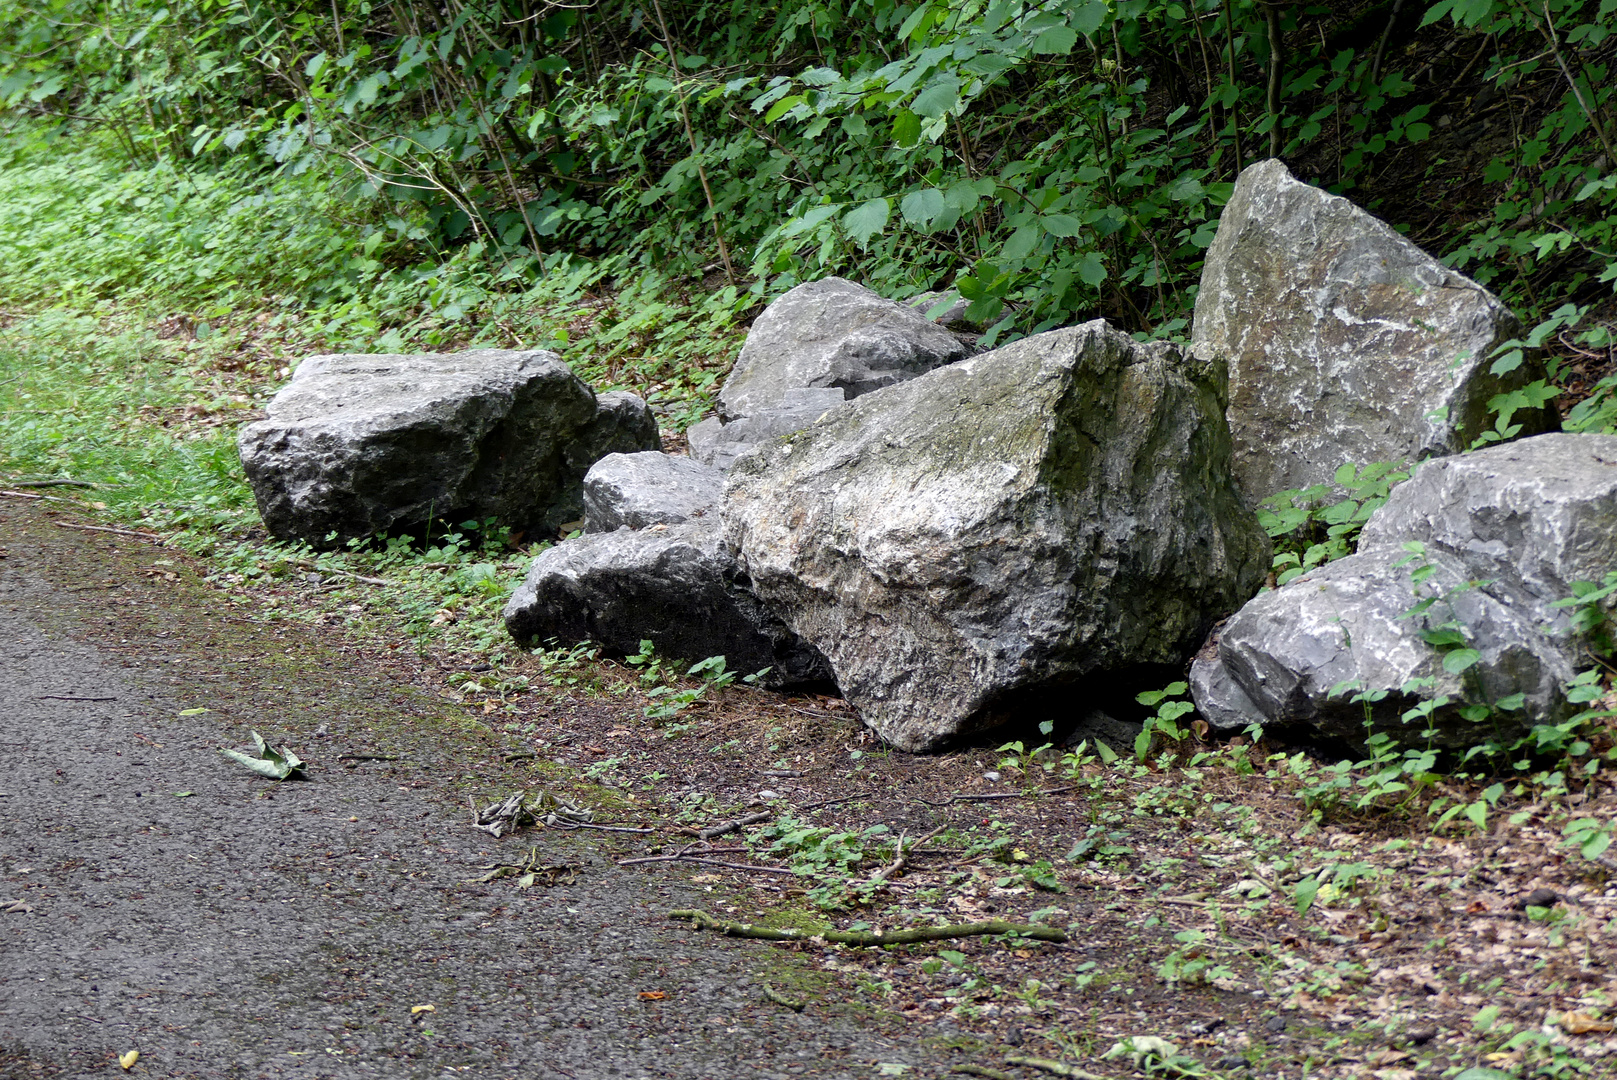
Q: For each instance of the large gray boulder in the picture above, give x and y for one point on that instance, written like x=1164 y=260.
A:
x=676 y=585
x=832 y=334
x=1540 y=511
x=1056 y=509
x=357 y=445
x=1345 y=342
x=1297 y=656
x=1523 y=521
x=635 y=491
x=713 y=442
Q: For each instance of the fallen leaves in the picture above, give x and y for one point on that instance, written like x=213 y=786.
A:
x=269 y=761
x=653 y=995
x=127 y=1061
x=1578 y=1023
x=15 y=907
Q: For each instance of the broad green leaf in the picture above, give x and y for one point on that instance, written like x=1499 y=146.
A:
x=1091 y=270
x=1060 y=224
x=1022 y=243
x=921 y=208
x=1056 y=41
x=268 y=761
x=867 y=221
x=1460 y=660
x=938 y=98
x=1303 y=896
x=906 y=128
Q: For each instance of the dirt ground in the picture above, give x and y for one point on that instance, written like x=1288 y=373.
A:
x=1213 y=924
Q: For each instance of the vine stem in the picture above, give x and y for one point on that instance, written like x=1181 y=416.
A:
x=690 y=135
x=1577 y=91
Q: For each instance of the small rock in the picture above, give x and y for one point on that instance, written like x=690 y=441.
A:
x=1231 y=1062
x=1540 y=898
x=1013 y=1036
x=766 y=795
x=1204 y=1027
x=991 y=777
x=1421 y=1036
x=1275 y=1025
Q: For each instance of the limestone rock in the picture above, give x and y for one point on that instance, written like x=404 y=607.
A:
x=676 y=584
x=832 y=334
x=713 y=442
x=1343 y=625
x=1542 y=511
x=1056 y=509
x=1345 y=342
x=1527 y=519
x=357 y=445
x=649 y=488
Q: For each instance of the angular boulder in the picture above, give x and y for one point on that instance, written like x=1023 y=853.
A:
x=357 y=445
x=1524 y=520
x=1345 y=342
x=676 y=585
x=1297 y=656
x=1056 y=509
x=832 y=334
x=713 y=442
x=1540 y=511
x=635 y=491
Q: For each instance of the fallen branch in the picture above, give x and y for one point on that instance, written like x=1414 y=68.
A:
x=342 y=573
x=903 y=859
x=781 y=999
x=52 y=483
x=736 y=825
x=1055 y=1067
x=708 y=862
x=978 y=1070
x=833 y=802
x=703 y=921
x=150 y=537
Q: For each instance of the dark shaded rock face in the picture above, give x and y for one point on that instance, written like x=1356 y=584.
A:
x=358 y=445
x=676 y=585
x=1055 y=509
x=1345 y=342
x=1522 y=521
x=635 y=491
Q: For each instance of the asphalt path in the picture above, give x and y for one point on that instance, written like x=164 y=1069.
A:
x=244 y=930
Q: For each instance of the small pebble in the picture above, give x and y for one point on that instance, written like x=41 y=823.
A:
x=991 y=777
x=1013 y=1037
x=1543 y=898
x=1275 y=1025
x=1422 y=1036
x=766 y=795
x=1231 y=1061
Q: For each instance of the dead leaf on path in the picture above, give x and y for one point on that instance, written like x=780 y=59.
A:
x=1386 y=1056
x=1577 y=1023
x=16 y=907
x=269 y=761
x=127 y=1061
x=652 y=995
x=414 y=1009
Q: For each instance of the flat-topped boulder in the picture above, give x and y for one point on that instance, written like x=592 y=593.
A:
x=1345 y=342
x=1058 y=509
x=365 y=444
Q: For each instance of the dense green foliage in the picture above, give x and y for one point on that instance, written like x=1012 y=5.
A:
x=1051 y=160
